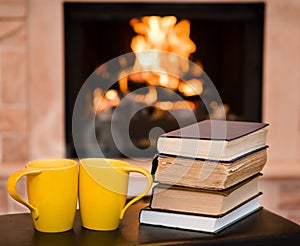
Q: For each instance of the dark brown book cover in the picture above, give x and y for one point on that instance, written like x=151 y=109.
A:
x=163 y=155
x=208 y=215
x=216 y=130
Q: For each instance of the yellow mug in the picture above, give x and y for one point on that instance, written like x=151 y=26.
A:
x=52 y=188
x=103 y=185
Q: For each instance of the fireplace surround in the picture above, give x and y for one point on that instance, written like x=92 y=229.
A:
x=41 y=119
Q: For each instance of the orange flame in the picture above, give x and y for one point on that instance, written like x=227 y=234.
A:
x=161 y=34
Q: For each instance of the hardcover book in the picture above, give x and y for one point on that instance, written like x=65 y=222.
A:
x=214 y=139
x=206 y=174
x=203 y=201
x=188 y=221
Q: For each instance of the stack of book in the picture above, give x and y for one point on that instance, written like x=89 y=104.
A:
x=206 y=175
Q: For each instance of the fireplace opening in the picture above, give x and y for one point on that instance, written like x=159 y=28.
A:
x=229 y=44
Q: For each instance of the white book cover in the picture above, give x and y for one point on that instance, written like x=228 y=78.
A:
x=174 y=219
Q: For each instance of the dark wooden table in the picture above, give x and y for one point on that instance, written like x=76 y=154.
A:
x=261 y=228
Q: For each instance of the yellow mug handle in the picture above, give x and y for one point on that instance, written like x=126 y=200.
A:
x=12 y=188
x=143 y=171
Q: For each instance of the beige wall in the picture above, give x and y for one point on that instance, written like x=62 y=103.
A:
x=31 y=79
x=14 y=81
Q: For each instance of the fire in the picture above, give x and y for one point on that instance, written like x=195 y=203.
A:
x=193 y=87
x=103 y=101
x=161 y=34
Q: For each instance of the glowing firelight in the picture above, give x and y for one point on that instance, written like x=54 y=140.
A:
x=161 y=34
x=192 y=87
x=104 y=101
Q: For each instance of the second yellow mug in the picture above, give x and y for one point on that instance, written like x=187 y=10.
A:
x=103 y=185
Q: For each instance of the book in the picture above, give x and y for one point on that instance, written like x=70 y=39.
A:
x=206 y=174
x=189 y=221
x=214 y=139
x=203 y=201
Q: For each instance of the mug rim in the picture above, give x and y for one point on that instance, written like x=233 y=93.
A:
x=115 y=163
x=52 y=164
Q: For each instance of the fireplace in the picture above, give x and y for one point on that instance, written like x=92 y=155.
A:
x=229 y=41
